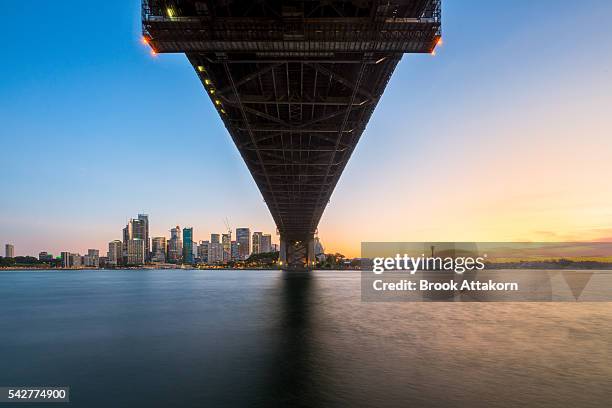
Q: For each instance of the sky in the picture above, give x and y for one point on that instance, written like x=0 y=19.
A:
x=504 y=135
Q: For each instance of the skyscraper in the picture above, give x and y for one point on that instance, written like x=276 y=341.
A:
x=243 y=238
x=214 y=238
x=115 y=253
x=135 y=252
x=175 y=245
x=226 y=242
x=144 y=218
x=235 y=251
x=136 y=229
x=266 y=243
x=65 y=259
x=9 y=251
x=158 y=249
x=257 y=242
x=215 y=253
x=188 y=245
x=203 y=249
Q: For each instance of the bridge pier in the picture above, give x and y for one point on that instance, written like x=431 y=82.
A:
x=297 y=254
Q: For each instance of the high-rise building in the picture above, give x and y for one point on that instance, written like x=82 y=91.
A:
x=226 y=242
x=188 y=245
x=266 y=243
x=65 y=256
x=175 y=245
x=257 y=242
x=74 y=260
x=115 y=253
x=214 y=238
x=243 y=237
x=144 y=218
x=158 y=249
x=135 y=252
x=235 y=250
x=215 y=253
x=136 y=229
x=203 y=249
x=92 y=259
x=9 y=251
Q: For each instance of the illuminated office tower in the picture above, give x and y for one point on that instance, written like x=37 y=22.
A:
x=203 y=249
x=144 y=219
x=214 y=238
x=115 y=253
x=235 y=250
x=136 y=252
x=226 y=243
x=257 y=242
x=135 y=229
x=266 y=243
x=188 y=245
x=215 y=253
x=158 y=249
x=243 y=238
x=9 y=251
x=175 y=245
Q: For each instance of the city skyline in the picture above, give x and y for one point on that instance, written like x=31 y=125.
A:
x=503 y=143
x=132 y=231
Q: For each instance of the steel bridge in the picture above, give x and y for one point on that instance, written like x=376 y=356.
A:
x=295 y=83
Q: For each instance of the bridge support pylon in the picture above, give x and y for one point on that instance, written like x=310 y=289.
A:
x=297 y=254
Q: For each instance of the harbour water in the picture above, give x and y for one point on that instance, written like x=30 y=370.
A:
x=268 y=338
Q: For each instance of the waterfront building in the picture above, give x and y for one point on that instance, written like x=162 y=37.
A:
x=65 y=256
x=92 y=259
x=144 y=219
x=226 y=243
x=135 y=252
x=266 y=243
x=158 y=249
x=135 y=229
x=235 y=250
x=203 y=249
x=175 y=245
x=75 y=260
x=243 y=237
x=44 y=256
x=188 y=245
x=215 y=253
x=9 y=251
x=257 y=242
x=115 y=253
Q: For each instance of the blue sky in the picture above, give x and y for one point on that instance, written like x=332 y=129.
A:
x=94 y=130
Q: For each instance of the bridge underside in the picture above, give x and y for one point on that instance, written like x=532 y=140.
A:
x=295 y=83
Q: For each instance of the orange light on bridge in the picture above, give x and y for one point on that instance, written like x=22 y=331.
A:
x=153 y=53
x=144 y=40
x=439 y=41
x=433 y=52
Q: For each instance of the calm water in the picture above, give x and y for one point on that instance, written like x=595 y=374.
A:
x=267 y=338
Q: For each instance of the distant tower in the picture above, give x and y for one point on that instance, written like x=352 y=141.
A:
x=175 y=245
x=144 y=218
x=9 y=251
x=243 y=238
x=188 y=245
